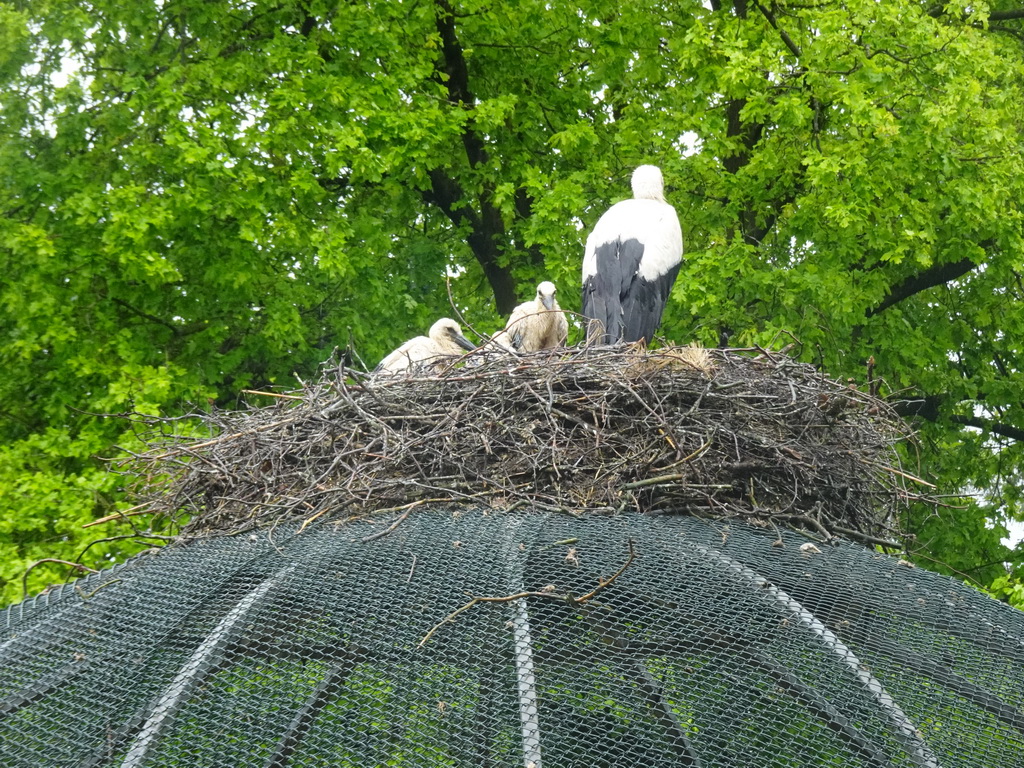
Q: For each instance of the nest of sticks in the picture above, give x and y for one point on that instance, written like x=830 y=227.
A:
x=598 y=430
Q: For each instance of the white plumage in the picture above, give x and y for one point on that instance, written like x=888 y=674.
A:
x=536 y=324
x=426 y=353
x=631 y=261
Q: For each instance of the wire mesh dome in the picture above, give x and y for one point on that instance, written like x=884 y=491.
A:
x=573 y=560
x=716 y=645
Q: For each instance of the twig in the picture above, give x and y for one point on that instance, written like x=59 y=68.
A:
x=458 y=313
x=685 y=459
x=904 y=474
x=88 y=595
x=809 y=521
x=409 y=508
x=138 y=509
x=309 y=520
x=186 y=449
x=137 y=536
x=272 y=394
x=561 y=543
x=602 y=583
x=867 y=539
x=77 y=566
x=397 y=522
x=566 y=598
x=670 y=479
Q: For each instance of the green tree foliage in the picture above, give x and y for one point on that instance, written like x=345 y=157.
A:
x=200 y=196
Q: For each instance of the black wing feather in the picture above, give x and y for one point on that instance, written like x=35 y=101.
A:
x=643 y=305
x=604 y=292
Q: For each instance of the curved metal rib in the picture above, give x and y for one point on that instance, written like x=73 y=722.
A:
x=195 y=670
x=902 y=725
x=325 y=692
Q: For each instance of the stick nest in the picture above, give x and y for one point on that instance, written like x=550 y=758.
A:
x=596 y=430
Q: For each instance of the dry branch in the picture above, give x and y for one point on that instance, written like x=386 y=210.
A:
x=565 y=598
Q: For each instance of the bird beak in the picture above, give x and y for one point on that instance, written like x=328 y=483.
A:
x=463 y=342
x=548 y=301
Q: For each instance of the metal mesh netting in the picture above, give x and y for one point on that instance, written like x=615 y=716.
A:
x=717 y=645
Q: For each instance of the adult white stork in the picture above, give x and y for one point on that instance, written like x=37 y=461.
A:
x=632 y=259
x=420 y=353
x=536 y=324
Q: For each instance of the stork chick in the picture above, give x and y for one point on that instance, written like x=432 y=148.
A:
x=426 y=353
x=534 y=325
x=631 y=261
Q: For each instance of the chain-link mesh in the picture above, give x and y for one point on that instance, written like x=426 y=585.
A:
x=716 y=645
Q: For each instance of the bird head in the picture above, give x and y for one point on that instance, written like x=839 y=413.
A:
x=546 y=294
x=648 y=184
x=446 y=328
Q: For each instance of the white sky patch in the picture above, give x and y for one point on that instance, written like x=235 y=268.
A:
x=1015 y=533
x=689 y=144
x=1015 y=529
x=69 y=67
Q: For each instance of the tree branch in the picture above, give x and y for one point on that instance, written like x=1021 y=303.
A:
x=1016 y=13
x=929 y=408
x=1013 y=13
x=989 y=425
x=483 y=237
x=175 y=329
x=487 y=228
x=793 y=47
x=749 y=134
x=337 y=184
x=77 y=566
x=935 y=275
x=447 y=195
x=926 y=407
x=523 y=202
x=457 y=81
